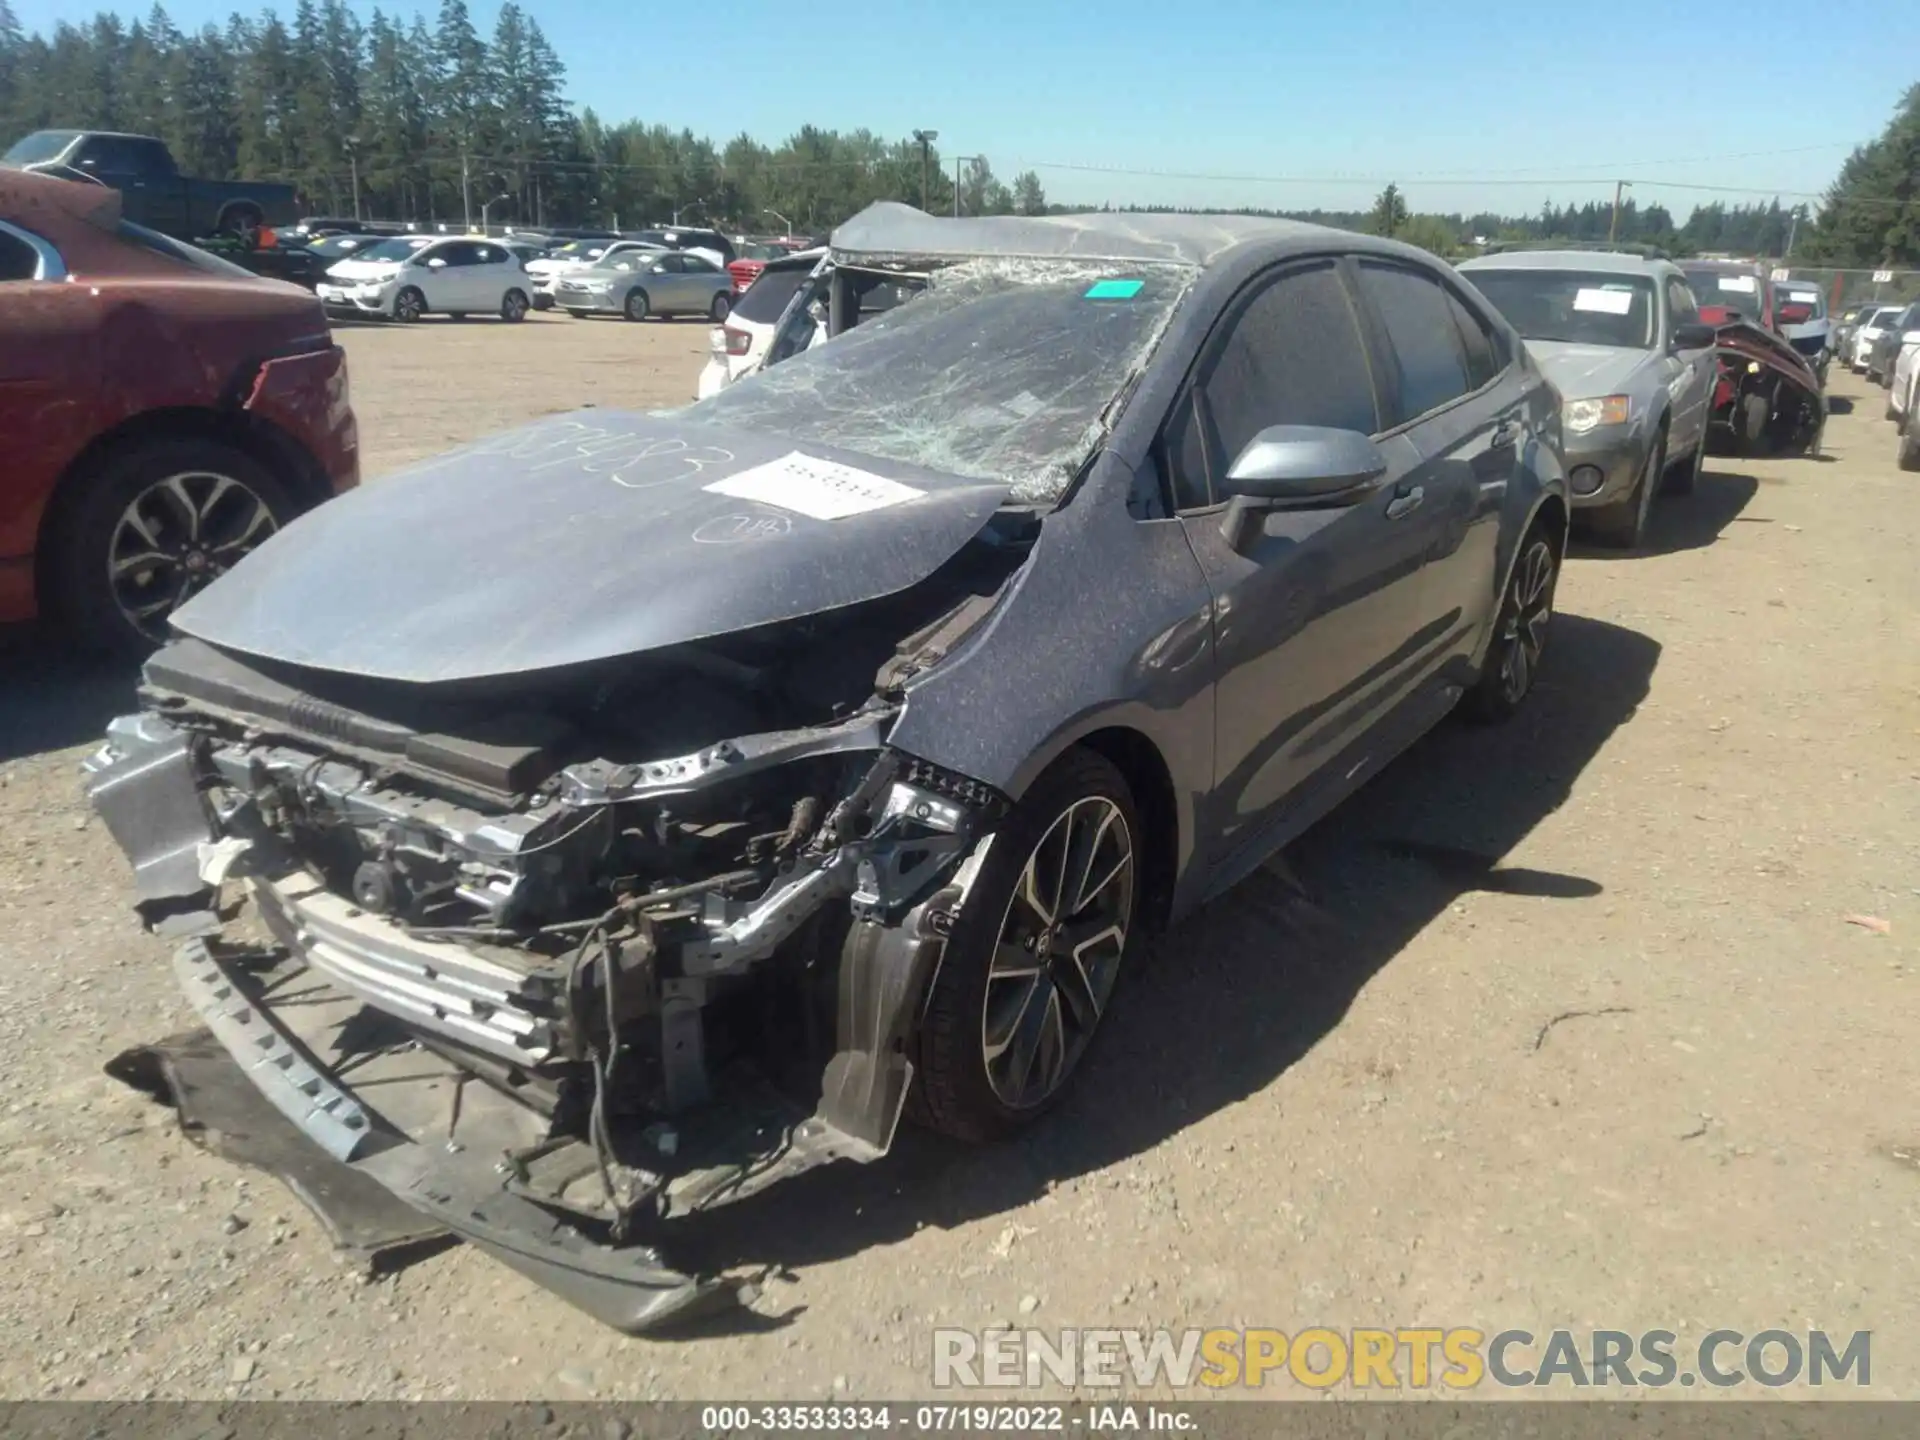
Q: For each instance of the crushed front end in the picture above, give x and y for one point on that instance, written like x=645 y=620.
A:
x=561 y=961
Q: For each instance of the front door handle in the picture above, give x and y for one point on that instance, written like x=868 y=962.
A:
x=1405 y=503
x=1505 y=435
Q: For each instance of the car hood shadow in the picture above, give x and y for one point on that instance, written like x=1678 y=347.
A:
x=1228 y=1000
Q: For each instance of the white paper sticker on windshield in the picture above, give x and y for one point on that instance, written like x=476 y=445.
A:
x=817 y=488
x=1803 y=297
x=1606 y=302
x=1742 y=283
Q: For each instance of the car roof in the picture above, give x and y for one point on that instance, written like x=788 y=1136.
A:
x=23 y=193
x=889 y=230
x=1608 y=262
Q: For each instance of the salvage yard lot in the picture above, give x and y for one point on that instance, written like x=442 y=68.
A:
x=1561 y=1024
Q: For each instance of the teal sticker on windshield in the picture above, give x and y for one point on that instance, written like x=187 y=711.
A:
x=1115 y=289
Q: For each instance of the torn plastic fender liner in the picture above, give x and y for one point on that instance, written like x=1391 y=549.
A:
x=626 y=1287
x=886 y=974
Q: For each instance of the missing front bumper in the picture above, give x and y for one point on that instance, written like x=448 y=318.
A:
x=489 y=1168
x=446 y=1181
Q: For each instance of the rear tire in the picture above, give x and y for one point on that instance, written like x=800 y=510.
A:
x=721 y=308
x=513 y=306
x=195 y=506
x=1019 y=981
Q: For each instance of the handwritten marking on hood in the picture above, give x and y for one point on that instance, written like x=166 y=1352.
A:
x=819 y=489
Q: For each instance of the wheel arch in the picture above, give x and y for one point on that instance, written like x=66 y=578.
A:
x=1143 y=765
x=233 y=208
x=258 y=438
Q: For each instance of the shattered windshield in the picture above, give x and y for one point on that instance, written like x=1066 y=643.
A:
x=1000 y=370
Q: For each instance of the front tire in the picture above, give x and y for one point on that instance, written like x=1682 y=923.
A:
x=1520 y=632
x=1035 y=954
x=1623 y=524
x=721 y=308
x=637 y=306
x=1909 y=440
x=409 y=305
x=151 y=527
x=1683 y=478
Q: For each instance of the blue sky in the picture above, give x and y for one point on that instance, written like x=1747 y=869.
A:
x=1491 y=104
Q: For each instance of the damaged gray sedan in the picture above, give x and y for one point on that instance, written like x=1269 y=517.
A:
x=700 y=793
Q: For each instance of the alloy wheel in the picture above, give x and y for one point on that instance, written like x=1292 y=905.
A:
x=1058 y=952
x=1529 y=609
x=177 y=536
x=408 y=305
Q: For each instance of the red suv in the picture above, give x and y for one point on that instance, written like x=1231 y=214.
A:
x=164 y=412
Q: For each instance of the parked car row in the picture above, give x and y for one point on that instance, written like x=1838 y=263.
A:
x=1650 y=374
x=1900 y=362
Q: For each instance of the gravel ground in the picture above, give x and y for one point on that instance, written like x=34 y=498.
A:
x=1564 y=1024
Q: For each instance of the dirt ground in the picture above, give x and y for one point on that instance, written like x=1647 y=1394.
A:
x=1339 y=1097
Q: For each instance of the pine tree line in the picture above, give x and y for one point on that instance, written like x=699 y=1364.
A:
x=431 y=122
x=1871 y=214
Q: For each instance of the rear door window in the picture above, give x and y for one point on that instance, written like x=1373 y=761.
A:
x=766 y=299
x=1430 y=358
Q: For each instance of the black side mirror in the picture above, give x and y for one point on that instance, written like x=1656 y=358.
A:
x=1299 y=467
x=1692 y=336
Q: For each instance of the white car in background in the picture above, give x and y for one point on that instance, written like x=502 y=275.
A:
x=576 y=256
x=1901 y=398
x=1873 y=324
x=740 y=346
x=410 y=276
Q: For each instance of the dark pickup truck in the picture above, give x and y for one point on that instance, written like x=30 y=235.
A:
x=153 y=191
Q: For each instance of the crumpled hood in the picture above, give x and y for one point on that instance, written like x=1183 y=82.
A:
x=1583 y=372
x=363 y=270
x=584 y=537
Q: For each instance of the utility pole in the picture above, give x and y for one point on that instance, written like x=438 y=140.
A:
x=926 y=139
x=1613 y=229
x=466 y=192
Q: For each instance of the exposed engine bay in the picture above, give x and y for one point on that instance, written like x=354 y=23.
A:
x=636 y=897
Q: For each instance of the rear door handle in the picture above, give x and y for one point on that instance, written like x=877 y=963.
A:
x=1405 y=503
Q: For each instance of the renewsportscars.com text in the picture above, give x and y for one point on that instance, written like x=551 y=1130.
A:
x=1419 y=1358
